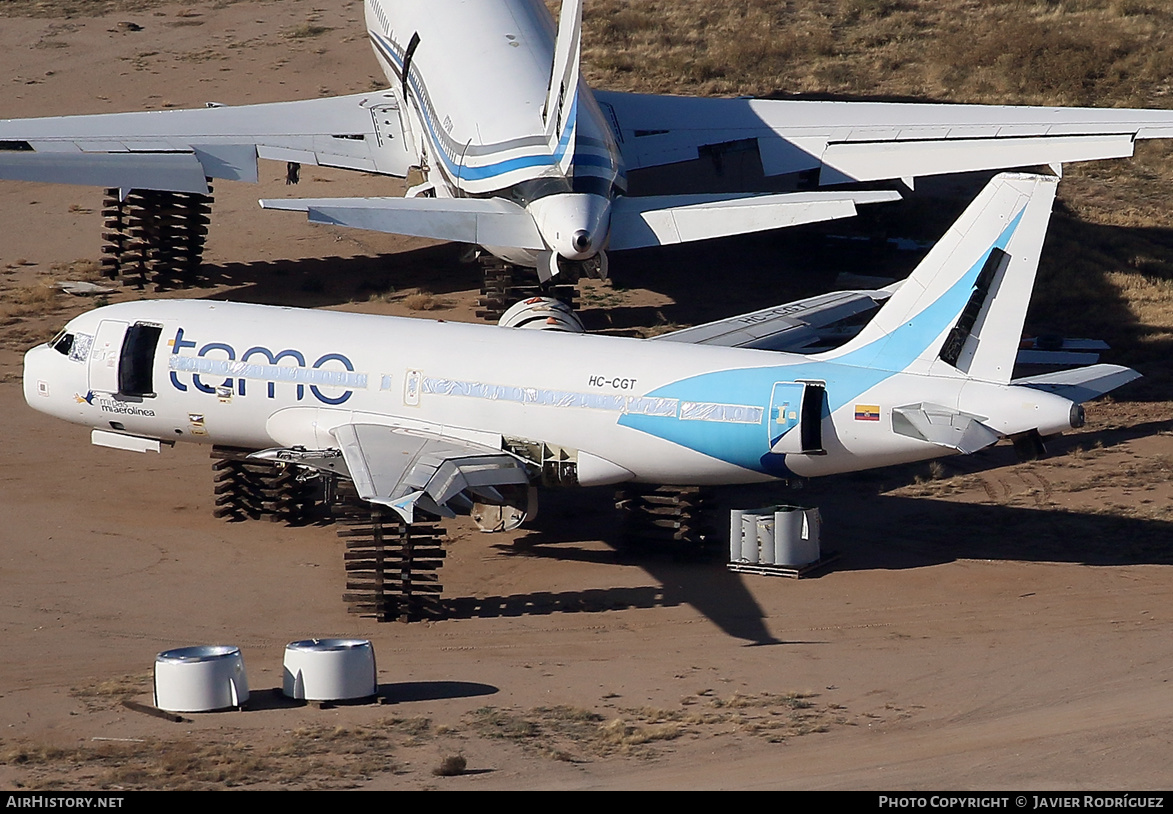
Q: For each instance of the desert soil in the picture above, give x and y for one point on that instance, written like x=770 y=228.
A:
x=988 y=625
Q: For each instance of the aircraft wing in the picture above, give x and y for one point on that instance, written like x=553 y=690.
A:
x=870 y=141
x=793 y=327
x=403 y=468
x=177 y=149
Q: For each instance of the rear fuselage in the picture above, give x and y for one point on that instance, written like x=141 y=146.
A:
x=474 y=92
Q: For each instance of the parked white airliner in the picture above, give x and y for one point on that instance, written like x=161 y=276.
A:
x=412 y=411
x=519 y=155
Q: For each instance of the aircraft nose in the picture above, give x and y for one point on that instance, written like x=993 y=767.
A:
x=36 y=384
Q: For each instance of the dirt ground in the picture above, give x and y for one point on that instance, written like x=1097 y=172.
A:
x=989 y=624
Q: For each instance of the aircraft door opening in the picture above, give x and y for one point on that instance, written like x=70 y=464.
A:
x=137 y=360
x=796 y=417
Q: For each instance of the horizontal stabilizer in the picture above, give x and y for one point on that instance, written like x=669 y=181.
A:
x=661 y=220
x=480 y=221
x=1082 y=384
x=943 y=426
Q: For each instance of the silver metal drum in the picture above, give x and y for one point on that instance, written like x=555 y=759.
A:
x=200 y=679
x=329 y=670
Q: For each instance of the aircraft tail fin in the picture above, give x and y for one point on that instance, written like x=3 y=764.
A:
x=561 y=108
x=961 y=311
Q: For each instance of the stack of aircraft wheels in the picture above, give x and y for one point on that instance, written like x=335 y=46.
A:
x=155 y=237
x=667 y=514
x=504 y=284
x=392 y=569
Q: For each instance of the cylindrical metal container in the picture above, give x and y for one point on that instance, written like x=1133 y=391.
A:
x=200 y=679
x=329 y=670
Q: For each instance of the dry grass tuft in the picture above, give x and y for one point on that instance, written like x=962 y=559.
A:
x=30 y=300
x=306 y=31
x=451 y=766
x=423 y=301
x=311 y=757
x=571 y=733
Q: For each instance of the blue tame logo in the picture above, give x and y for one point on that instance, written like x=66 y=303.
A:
x=264 y=367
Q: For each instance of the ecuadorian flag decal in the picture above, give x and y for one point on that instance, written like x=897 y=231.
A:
x=867 y=412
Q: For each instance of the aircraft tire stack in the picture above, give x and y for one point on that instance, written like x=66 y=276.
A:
x=392 y=569
x=155 y=237
x=502 y=286
x=671 y=514
x=248 y=489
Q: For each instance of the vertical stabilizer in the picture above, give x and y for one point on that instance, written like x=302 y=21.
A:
x=961 y=311
x=561 y=109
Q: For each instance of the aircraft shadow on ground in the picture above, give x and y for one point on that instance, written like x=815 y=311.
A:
x=317 y=282
x=868 y=528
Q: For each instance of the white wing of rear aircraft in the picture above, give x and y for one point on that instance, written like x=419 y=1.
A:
x=869 y=141
x=176 y=150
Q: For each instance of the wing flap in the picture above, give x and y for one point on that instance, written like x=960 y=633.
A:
x=177 y=172
x=879 y=160
x=481 y=221
x=403 y=468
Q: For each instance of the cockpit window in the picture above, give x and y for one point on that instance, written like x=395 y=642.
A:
x=62 y=343
x=80 y=350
